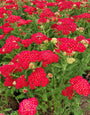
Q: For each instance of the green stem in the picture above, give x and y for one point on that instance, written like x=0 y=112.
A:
x=16 y=98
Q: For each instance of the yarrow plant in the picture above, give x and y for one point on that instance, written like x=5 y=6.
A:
x=44 y=52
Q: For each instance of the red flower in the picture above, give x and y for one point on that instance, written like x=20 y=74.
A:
x=7 y=30
x=80 y=85
x=67 y=45
x=25 y=6
x=5 y=25
x=65 y=5
x=41 y=20
x=81 y=47
x=38 y=78
x=23 y=22
x=8 y=47
x=78 y=4
x=75 y=80
x=48 y=57
x=26 y=42
x=47 y=13
x=88 y=40
x=80 y=38
x=11 y=43
x=6 y=70
x=28 y=106
x=68 y=92
x=1 y=113
x=40 y=5
x=30 y=10
x=67 y=25
x=9 y=81
x=2 y=11
x=25 y=57
x=12 y=18
x=50 y=4
x=39 y=37
x=20 y=82
x=85 y=16
x=2 y=36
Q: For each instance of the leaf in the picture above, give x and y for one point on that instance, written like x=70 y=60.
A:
x=14 y=113
x=9 y=109
x=44 y=97
x=20 y=96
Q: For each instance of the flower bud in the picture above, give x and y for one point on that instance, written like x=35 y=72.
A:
x=46 y=41
x=50 y=75
x=70 y=60
x=3 y=49
x=80 y=29
x=9 y=86
x=31 y=65
x=54 y=40
x=25 y=91
x=64 y=53
x=19 y=29
x=14 y=83
x=59 y=23
x=85 y=43
x=10 y=63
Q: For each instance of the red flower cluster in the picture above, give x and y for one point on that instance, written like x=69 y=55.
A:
x=60 y=1
x=47 y=57
x=11 y=43
x=1 y=113
x=66 y=25
x=6 y=70
x=38 y=38
x=2 y=11
x=40 y=4
x=38 y=78
x=82 y=16
x=65 y=5
x=30 y=10
x=26 y=42
x=20 y=82
x=80 y=85
x=25 y=57
x=28 y=106
x=10 y=1
x=12 y=18
x=23 y=22
x=7 y=30
x=9 y=81
x=41 y=20
x=80 y=38
x=50 y=4
x=12 y=6
x=77 y=4
x=68 y=92
x=69 y=45
x=47 y=13
x=5 y=25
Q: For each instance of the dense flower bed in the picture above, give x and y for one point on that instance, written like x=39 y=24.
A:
x=44 y=47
